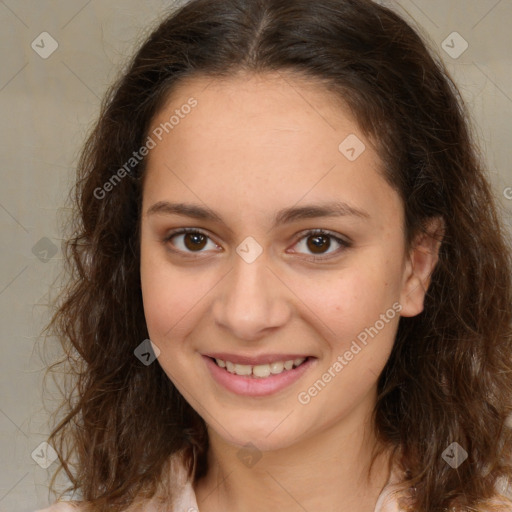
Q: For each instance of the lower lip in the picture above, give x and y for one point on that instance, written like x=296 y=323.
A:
x=255 y=386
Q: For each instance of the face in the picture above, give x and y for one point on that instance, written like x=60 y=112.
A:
x=296 y=250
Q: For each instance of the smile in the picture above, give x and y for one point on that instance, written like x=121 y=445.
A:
x=257 y=380
x=260 y=370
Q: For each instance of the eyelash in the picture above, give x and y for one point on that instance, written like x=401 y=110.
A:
x=304 y=235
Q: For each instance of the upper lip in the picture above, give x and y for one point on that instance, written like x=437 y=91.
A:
x=255 y=360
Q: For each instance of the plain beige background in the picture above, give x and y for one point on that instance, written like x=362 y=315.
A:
x=49 y=104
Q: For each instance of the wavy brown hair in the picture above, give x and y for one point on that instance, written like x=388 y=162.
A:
x=449 y=376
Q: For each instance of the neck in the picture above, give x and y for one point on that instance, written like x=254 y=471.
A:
x=327 y=471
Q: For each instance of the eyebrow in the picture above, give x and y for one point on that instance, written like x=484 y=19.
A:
x=284 y=216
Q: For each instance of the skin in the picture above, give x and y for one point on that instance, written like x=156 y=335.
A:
x=253 y=145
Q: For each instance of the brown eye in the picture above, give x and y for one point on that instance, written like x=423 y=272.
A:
x=194 y=241
x=318 y=243
x=188 y=241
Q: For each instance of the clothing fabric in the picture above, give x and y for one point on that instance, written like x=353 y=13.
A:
x=185 y=498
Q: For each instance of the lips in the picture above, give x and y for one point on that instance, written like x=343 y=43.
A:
x=251 y=385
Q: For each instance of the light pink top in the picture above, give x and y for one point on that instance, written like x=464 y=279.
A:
x=185 y=498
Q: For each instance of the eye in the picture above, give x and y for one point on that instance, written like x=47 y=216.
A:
x=192 y=240
x=318 y=241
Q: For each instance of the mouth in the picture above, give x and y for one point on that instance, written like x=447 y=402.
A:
x=260 y=371
x=258 y=380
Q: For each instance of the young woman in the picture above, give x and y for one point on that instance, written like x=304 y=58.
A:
x=285 y=198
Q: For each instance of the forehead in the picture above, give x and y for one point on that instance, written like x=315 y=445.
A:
x=261 y=140
x=257 y=110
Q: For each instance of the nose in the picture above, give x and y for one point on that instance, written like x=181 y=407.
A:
x=252 y=300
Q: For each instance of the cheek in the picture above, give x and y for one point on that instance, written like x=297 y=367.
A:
x=357 y=313
x=163 y=305
x=346 y=302
x=173 y=298
x=166 y=304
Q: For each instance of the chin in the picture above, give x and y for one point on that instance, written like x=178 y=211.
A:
x=267 y=435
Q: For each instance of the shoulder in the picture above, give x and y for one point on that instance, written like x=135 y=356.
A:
x=182 y=496
x=62 y=506
x=394 y=495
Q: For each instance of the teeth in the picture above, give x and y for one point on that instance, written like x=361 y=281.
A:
x=276 y=367
x=260 y=370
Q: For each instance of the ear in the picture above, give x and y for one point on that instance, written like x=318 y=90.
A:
x=420 y=264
